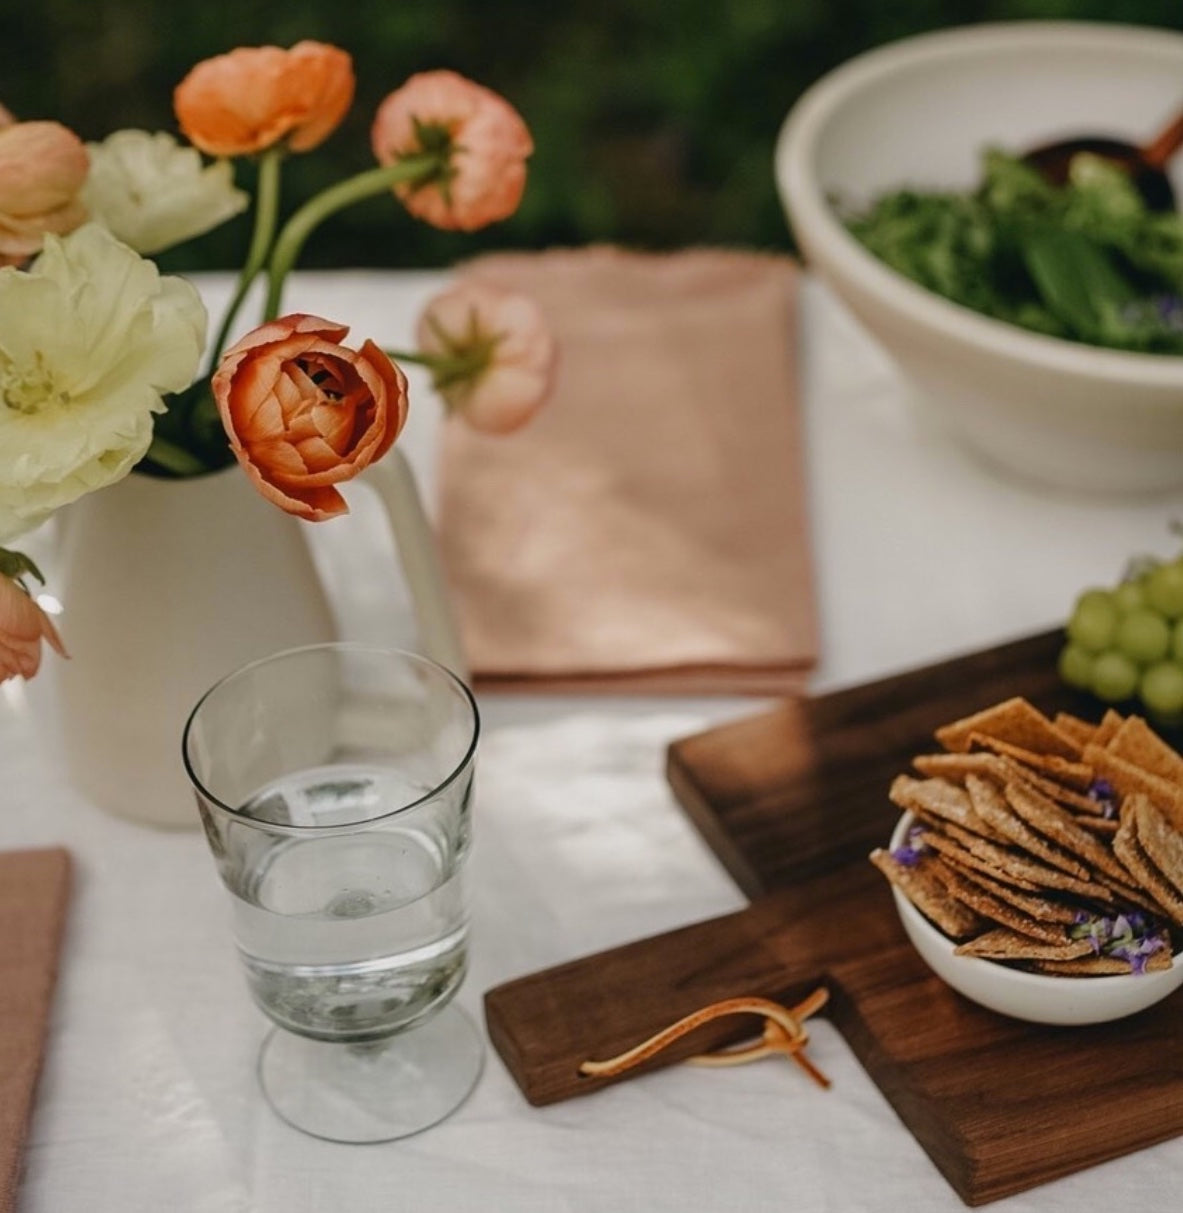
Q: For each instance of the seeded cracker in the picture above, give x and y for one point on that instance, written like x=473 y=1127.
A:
x=955 y=767
x=1056 y=791
x=1109 y=725
x=1003 y=944
x=1163 y=846
x=1012 y=866
x=1105 y=827
x=1014 y=721
x=1101 y=966
x=1006 y=864
x=1129 y=850
x=1076 y=775
x=928 y=893
x=1041 y=908
x=967 y=863
x=1054 y=823
x=1000 y=911
x=1136 y=742
x=1079 y=730
x=938 y=799
x=1129 y=779
x=992 y=806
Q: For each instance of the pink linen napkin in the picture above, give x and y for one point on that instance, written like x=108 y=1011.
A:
x=647 y=531
x=34 y=888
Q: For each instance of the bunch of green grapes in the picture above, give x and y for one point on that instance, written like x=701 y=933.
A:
x=1128 y=642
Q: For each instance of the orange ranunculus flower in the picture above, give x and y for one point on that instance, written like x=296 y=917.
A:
x=248 y=100
x=496 y=355
x=43 y=167
x=304 y=413
x=23 y=626
x=481 y=139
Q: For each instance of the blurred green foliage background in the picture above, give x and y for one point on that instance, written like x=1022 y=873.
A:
x=654 y=120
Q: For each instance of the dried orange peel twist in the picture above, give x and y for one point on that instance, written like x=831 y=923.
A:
x=783 y=1033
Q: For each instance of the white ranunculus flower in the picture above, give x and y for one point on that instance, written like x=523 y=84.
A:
x=92 y=337
x=153 y=193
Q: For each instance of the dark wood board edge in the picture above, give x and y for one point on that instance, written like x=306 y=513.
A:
x=850 y=740
x=730 y=854
x=543 y=1024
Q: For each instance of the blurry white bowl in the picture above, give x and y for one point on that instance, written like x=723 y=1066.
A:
x=1038 y=997
x=918 y=113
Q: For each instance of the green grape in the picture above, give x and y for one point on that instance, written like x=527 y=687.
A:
x=1093 y=621
x=1177 y=641
x=1164 y=590
x=1076 y=667
x=1129 y=596
x=1162 y=688
x=1115 y=677
x=1143 y=636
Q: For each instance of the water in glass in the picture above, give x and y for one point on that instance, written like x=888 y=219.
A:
x=350 y=936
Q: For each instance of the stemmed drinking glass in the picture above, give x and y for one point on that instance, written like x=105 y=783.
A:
x=334 y=783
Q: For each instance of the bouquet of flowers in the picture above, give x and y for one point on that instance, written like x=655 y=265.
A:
x=104 y=362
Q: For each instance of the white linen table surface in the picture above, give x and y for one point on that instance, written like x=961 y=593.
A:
x=148 y=1100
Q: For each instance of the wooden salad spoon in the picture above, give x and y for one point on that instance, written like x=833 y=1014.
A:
x=1145 y=164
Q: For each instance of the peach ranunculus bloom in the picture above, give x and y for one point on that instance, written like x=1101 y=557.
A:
x=43 y=168
x=304 y=413
x=23 y=626
x=492 y=355
x=6 y=118
x=253 y=97
x=480 y=138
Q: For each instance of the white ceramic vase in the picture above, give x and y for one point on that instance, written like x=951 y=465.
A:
x=167 y=586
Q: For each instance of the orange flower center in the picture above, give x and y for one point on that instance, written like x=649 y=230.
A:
x=326 y=400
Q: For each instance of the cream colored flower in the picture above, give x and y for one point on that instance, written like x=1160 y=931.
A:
x=92 y=337
x=153 y=193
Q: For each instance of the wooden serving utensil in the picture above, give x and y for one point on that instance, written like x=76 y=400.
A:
x=1145 y=165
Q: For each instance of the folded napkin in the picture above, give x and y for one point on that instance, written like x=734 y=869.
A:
x=647 y=531
x=34 y=887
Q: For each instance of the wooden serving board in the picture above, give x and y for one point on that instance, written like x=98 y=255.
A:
x=792 y=802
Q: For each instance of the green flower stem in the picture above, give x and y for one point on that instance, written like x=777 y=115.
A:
x=300 y=226
x=173 y=458
x=446 y=368
x=266 y=213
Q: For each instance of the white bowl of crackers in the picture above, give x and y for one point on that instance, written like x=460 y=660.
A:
x=1038 y=864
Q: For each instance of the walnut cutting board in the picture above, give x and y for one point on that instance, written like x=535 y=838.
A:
x=792 y=801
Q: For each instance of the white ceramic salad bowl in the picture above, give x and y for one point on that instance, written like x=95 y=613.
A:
x=919 y=112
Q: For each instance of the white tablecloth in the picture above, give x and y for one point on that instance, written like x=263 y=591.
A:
x=148 y=1100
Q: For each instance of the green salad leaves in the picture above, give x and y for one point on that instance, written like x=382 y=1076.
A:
x=1086 y=261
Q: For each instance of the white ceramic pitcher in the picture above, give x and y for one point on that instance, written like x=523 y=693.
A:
x=167 y=586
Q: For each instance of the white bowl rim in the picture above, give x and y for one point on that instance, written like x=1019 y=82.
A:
x=1003 y=973
x=794 y=152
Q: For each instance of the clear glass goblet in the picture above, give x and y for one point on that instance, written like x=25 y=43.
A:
x=335 y=784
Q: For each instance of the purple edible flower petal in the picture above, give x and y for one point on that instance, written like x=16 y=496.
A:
x=913 y=849
x=1103 y=793
x=909 y=857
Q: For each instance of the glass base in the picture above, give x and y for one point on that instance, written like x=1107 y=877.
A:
x=379 y=1091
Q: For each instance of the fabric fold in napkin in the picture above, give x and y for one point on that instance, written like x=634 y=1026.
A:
x=34 y=889
x=647 y=531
